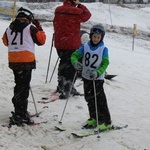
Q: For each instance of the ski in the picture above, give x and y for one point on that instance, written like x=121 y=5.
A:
x=109 y=76
x=33 y=124
x=38 y=123
x=113 y=128
x=45 y=99
x=35 y=115
x=52 y=98
x=48 y=101
x=60 y=128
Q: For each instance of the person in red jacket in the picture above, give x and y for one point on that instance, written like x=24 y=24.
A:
x=20 y=38
x=67 y=21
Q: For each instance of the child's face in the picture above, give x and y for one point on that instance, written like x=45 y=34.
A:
x=96 y=38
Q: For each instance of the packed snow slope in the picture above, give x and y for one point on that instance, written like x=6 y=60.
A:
x=127 y=94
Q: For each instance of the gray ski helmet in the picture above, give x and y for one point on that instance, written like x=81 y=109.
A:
x=99 y=29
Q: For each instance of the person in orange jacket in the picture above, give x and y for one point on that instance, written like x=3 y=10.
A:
x=67 y=21
x=20 y=38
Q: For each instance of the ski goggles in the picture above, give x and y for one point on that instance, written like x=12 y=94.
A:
x=96 y=30
x=25 y=11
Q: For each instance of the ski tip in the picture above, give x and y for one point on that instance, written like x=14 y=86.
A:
x=119 y=127
x=81 y=135
x=60 y=128
x=109 y=77
x=77 y=136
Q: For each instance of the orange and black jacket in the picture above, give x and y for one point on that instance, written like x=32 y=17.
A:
x=20 y=38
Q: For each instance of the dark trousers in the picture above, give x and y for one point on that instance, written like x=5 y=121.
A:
x=102 y=107
x=66 y=70
x=22 y=80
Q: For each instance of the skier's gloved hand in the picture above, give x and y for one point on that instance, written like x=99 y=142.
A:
x=37 y=24
x=93 y=75
x=78 y=66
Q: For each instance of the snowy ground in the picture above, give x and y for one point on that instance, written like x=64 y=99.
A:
x=128 y=94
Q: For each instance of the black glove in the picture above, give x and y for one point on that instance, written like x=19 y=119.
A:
x=78 y=66
x=37 y=24
x=93 y=75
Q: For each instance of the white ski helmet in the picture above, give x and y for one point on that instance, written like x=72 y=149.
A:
x=84 y=36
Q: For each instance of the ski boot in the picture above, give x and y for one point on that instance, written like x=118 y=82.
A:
x=19 y=120
x=104 y=126
x=90 y=123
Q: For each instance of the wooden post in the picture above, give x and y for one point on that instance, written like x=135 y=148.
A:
x=134 y=34
x=14 y=10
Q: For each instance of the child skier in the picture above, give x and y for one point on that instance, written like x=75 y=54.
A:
x=95 y=60
x=20 y=38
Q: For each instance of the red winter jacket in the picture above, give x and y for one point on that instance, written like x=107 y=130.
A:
x=67 y=25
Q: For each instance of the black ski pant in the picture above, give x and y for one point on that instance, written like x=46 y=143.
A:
x=22 y=80
x=66 y=70
x=102 y=107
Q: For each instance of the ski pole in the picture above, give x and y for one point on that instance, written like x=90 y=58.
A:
x=37 y=114
x=96 y=106
x=49 y=58
x=68 y=97
x=54 y=70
